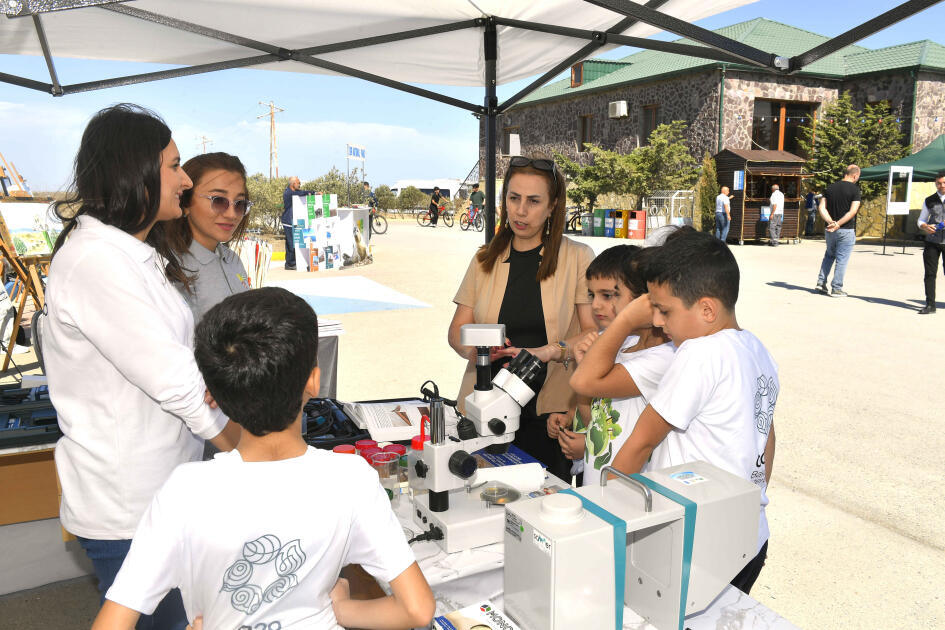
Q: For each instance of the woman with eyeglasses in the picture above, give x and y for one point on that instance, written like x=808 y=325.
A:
x=530 y=277
x=215 y=212
x=118 y=341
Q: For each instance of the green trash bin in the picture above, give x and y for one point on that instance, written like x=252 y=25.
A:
x=599 y=214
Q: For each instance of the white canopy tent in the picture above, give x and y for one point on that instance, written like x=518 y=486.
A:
x=397 y=44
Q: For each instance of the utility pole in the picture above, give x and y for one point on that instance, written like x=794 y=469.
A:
x=204 y=141
x=273 y=155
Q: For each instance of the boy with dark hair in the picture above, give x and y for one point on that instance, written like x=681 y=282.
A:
x=236 y=534
x=716 y=402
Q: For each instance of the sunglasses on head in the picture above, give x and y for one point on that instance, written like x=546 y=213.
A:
x=222 y=204
x=520 y=161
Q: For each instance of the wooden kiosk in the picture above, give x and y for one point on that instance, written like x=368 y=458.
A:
x=750 y=174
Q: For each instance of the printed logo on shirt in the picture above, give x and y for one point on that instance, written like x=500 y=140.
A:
x=766 y=395
x=265 y=572
x=602 y=430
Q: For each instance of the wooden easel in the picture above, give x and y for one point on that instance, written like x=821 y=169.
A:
x=27 y=270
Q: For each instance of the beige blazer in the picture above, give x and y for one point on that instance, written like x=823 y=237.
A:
x=560 y=295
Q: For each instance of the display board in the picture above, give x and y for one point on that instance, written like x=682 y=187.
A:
x=320 y=236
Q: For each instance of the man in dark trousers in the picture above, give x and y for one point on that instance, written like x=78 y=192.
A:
x=931 y=221
x=292 y=190
x=838 y=208
x=435 y=205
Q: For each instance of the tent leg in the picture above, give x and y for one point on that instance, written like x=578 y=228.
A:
x=491 y=106
x=885 y=224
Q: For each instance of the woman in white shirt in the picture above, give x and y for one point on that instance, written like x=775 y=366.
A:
x=118 y=341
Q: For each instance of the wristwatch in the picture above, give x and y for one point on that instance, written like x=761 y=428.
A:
x=565 y=354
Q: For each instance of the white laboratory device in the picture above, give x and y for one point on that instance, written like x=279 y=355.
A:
x=664 y=543
x=457 y=512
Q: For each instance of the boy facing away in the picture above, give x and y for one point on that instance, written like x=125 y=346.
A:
x=257 y=537
x=716 y=401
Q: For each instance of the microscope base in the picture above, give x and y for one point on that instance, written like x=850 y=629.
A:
x=469 y=522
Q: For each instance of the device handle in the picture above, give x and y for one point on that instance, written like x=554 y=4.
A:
x=647 y=494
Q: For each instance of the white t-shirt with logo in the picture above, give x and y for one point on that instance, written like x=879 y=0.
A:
x=719 y=394
x=252 y=543
x=613 y=419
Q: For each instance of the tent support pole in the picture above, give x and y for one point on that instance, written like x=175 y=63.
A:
x=41 y=33
x=491 y=103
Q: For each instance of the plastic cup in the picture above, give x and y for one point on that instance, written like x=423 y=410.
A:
x=386 y=464
x=344 y=448
x=368 y=451
x=360 y=445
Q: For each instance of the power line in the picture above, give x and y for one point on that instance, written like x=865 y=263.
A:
x=273 y=155
x=203 y=141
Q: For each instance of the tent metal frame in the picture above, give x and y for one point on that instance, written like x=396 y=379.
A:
x=709 y=45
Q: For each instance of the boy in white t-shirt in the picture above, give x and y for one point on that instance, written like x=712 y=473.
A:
x=608 y=288
x=620 y=369
x=257 y=537
x=716 y=402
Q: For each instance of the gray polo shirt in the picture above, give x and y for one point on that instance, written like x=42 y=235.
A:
x=219 y=274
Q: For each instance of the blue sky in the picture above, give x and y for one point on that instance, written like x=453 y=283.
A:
x=405 y=136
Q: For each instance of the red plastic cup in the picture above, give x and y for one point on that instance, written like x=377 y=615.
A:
x=368 y=451
x=360 y=445
x=344 y=448
x=400 y=449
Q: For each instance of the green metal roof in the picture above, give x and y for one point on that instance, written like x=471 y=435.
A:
x=761 y=33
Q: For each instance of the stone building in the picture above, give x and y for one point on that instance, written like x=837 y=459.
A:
x=615 y=104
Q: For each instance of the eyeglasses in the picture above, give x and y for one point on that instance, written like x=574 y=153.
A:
x=222 y=204
x=520 y=161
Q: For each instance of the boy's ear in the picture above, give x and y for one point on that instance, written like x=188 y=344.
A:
x=313 y=384
x=710 y=309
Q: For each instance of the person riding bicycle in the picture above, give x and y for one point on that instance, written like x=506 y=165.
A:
x=477 y=201
x=435 y=202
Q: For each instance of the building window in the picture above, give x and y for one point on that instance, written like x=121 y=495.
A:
x=577 y=74
x=776 y=125
x=511 y=141
x=585 y=128
x=651 y=117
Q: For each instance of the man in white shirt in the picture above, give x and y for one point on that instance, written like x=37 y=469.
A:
x=931 y=221
x=777 y=216
x=723 y=214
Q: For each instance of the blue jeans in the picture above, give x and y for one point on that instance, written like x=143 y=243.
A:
x=839 y=246
x=107 y=557
x=721 y=226
x=289 y=246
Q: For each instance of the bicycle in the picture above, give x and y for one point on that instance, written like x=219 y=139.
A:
x=476 y=222
x=424 y=218
x=574 y=220
x=378 y=221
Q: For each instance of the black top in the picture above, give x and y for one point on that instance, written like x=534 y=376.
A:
x=840 y=196
x=435 y=201
x=521 y=309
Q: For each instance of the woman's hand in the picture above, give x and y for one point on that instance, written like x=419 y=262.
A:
x=555 y=422
x=572 y=444
x=197 y=624
x=546 y=353
x=340 y=592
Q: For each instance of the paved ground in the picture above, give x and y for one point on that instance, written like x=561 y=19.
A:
x=855 y=497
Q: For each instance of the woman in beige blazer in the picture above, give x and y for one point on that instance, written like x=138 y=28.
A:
x=530 y=278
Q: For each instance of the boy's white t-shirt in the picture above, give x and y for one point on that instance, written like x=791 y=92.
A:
x=613 y=419
x=253 y=543
x=719 y=395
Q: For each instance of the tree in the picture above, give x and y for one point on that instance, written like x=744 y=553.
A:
x=334 y=182
x=707 y=189
x=844 y=135
x=664 y=164
x=410 y=197
x=386 y=200
x=266 y=195
x=608 y=172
